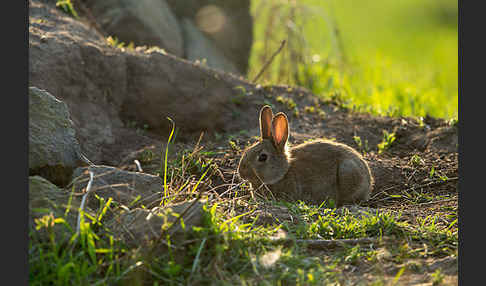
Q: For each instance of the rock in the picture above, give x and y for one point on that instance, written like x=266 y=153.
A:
x=107 y=89
x=72 y=65
x=45 y=198
x=143 y=22
x=198 y=47
x=228 y=24
x=139 y=226
x=53 y=147
x=123 y=186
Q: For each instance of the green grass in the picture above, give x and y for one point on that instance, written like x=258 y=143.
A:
x=388 y=57
x=231 y=247
x=234 y=250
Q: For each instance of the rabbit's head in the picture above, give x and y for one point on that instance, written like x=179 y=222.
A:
x=267 y=161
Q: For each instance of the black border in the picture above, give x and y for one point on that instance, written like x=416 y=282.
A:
x=460 y=186
x=471 y=113
x=14 y=115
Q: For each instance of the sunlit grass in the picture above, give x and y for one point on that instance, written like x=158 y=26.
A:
x=390 y=57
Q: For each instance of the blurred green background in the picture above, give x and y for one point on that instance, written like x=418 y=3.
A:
x=386 y=57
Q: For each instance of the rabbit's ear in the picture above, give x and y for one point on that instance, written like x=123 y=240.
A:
x=266 y=122
x=280 y=131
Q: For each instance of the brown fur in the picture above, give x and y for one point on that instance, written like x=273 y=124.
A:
x=312 y=172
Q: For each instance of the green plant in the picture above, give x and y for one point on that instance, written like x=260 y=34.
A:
x=416 y=160
x=313 y=109
x=288 y=102
x=363 y=147
x=437 y=277
x=59 y=255
x=114 y=42
x=67 y=7
x=388 y=139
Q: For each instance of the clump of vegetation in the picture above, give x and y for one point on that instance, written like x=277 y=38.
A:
x=114 y=42
x=67 y=7
x=315 y=110
x=235 y=247
x=388 y=139
x=362 y=145
x=415 y=160
x=288 y=102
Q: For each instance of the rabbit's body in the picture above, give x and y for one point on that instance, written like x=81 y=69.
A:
x=312 y=172
x=338 y=174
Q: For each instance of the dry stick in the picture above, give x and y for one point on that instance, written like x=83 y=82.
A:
x=139 y=167
x=269 y=61
x=83 y=201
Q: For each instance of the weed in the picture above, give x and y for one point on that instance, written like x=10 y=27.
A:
x=363 y=147
x=453 y=121
x=313 y=109
x=420 y=121
x=114 y=42
x=437 y=277
x=67 y=7
x=416 y=160
x=388 y=139
x=234 y=146
x=432 y=172
x=147 y=156
x=310 y=109
x=288 y=102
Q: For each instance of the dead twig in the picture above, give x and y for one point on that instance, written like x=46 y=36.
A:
x=269 y=61
x=83 y=201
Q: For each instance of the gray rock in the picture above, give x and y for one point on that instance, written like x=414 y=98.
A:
x=53 y=147
x=45 y=198
x=107 y=89
x=199 y=47
x=143 y=22
x=229 y=24
x=122 y=186
x=139 y=226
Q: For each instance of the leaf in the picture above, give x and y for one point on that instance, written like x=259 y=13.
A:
x=432 y=172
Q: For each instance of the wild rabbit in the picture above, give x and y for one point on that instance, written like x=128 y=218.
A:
x=311 y=172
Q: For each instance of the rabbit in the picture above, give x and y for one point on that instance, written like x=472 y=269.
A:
x=312 y=172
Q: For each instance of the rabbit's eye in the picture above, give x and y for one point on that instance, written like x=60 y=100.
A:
x=262 y=157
